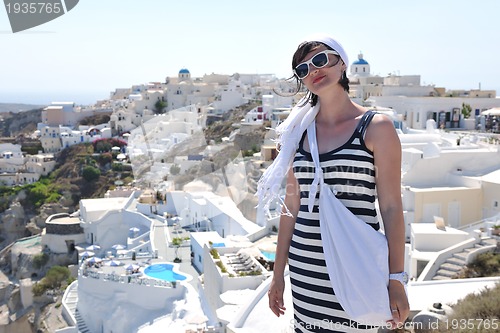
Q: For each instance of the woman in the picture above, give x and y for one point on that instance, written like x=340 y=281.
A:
x=360 y=155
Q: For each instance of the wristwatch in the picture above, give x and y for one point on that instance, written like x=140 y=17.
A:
x=401 y=277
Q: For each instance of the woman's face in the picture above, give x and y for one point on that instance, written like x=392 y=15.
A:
x=318 y=79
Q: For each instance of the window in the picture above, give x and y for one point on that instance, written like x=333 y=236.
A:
x=495 y=204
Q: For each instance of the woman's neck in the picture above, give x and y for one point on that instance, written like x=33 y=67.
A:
x=336 y=107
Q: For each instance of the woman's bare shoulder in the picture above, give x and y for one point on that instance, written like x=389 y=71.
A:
x=380 y=131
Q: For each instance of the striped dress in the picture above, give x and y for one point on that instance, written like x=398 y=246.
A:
x=350 y=170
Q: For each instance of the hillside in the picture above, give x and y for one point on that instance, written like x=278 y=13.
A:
x=14 y=124
x=88 y=171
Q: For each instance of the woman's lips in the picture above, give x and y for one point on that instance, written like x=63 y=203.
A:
x=319 y=78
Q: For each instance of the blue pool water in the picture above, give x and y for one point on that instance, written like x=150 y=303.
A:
x=271 y=256
x=163 y=272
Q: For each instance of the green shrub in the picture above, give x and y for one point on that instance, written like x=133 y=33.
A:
x=214 y=253
x=117 y=167
x=128 y=180
x=485 y=265
x=37 y=193
x=177 y=241
x=53 y=197
x=221 y=266
x=55 y=276
x=40 y=260
x=479 y=308
x=38 y=289
x=105 y=158
x=102 y=146
x=247 y=153
x=160 y=106
x=251 y=273
x=4 y=204
x=90 y=173
x=8 y=190
x=52 y=280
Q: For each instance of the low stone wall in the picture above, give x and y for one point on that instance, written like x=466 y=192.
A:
x=63 y=229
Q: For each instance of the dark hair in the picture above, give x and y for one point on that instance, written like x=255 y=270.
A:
x=298 y=56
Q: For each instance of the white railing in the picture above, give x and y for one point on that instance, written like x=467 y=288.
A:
x=66 y=312
x=132 y=279
x=483 y=222
x=433 y=266
x=471 y=256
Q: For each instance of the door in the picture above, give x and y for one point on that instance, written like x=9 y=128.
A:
x=454 y=214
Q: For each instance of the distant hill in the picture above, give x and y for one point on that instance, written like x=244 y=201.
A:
x=15 y=108
x=13 y=124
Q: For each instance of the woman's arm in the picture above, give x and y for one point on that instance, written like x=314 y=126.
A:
x=382 y=139
x=285 y=232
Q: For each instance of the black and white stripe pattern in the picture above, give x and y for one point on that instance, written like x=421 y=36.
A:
x=349 y=169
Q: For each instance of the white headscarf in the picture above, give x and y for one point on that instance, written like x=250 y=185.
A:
x=289 y=134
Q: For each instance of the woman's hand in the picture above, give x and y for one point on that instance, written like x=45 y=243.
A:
x=398 y=301
x=275 y=295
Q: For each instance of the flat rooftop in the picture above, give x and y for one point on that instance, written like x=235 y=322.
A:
x=65 y=220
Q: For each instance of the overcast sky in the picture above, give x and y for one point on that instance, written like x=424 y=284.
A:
x=101 y=45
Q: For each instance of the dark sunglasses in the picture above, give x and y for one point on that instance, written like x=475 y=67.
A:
x=319 y=60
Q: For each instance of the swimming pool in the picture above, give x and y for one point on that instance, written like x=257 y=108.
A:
x=164 y=272
x=270 y=256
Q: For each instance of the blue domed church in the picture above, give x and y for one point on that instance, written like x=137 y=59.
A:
x=184 y=75
x=360 y=67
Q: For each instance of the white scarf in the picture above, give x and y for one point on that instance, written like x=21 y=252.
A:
x=289 y=134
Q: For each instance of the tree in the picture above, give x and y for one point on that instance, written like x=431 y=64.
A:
x=160 y=106
x=102 y=146
x=40 y=260
x=105 y=158
x=52 y=280
x=55 y=276
x=90 y=173
x=177 y=241
x=466 y=110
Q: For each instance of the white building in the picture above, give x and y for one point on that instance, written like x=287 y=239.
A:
x=56 y=138
x=415 y=102
x=62 y=233
x=184 y=90
x=67 y=114
x=107 y=222
x=11 y=158
x=445 y=111
x=449 y=176
x=42 y=164
x=16 y=169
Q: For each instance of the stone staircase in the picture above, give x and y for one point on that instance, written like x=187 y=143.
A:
x=80 y=323
x=10 y=289
x=453 y=265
